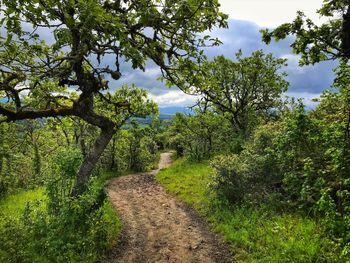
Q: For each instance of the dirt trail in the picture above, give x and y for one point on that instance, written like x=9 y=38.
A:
x=157 y=227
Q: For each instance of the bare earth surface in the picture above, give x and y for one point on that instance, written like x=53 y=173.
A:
x=157 y=227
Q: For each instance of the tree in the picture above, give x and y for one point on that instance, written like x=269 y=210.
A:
x=201 y=135
x=83 y=36
x=242 y=89
x=328 y=41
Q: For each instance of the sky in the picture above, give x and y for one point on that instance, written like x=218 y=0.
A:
x=246 y=18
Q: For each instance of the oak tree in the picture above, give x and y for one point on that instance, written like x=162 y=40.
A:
x=244 y=89
x=50 y=48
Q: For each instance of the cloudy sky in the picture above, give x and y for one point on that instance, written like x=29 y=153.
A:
x=247 y=17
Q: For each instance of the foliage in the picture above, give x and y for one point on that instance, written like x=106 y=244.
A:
x=76 y=230
x=132 y=149
x=142 y=148
x=316 y=169
x=201 y=135
x=228 y=181
x=315 y=43
x=252 y=175
x=245 y=90
x=301 y=163
x=315 y=153
x=116 y=157
x=59 y=186
x=255 y=234
x=23 y=147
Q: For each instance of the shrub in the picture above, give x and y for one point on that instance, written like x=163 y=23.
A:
x=61 y=228
x=228 y=178
x=251 y=175
x=79 y=232
x=64 y=167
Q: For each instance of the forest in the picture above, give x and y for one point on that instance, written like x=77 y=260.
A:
x=91 y=171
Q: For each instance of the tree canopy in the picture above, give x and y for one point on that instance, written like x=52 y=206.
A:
x=242 y=90
x=84 y=35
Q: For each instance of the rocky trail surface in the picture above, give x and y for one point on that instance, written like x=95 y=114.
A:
x=157 y=227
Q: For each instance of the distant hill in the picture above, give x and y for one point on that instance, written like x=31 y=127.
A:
x=165 y=113
x=173 y=110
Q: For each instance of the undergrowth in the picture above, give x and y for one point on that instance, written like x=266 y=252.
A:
x=256 y=234
x=79 y=230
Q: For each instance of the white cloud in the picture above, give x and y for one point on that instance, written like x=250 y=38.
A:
x=153 y=72
x=174 y=98
x=270 y=13
x=293 y=63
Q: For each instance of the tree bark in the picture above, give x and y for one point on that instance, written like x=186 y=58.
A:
x=91 y=160
x=112 y=164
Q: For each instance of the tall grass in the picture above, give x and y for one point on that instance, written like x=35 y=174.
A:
x=29 y=233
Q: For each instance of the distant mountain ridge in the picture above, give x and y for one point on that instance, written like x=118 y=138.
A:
x=173 y=110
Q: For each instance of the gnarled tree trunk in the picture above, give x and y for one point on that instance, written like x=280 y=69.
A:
x=91 y=160
x=107 y=127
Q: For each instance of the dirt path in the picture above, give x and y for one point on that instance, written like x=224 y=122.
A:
x=157 y=227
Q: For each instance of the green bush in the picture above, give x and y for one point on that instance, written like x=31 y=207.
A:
x=228 y=179
x=300 y=163
x=79 y=232
x=253 y=174
x=64 y=167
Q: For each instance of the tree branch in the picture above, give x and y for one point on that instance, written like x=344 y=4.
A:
x=31 y=114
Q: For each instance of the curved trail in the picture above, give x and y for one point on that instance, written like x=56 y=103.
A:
x=157 y=227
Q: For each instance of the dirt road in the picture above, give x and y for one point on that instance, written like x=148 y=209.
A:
x=157 y=227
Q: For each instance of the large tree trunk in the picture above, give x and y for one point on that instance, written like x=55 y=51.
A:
x=91 y=160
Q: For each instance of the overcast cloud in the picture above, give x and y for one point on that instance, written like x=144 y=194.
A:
x=305 y=82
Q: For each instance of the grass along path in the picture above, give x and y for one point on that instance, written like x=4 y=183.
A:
x=255 y=235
